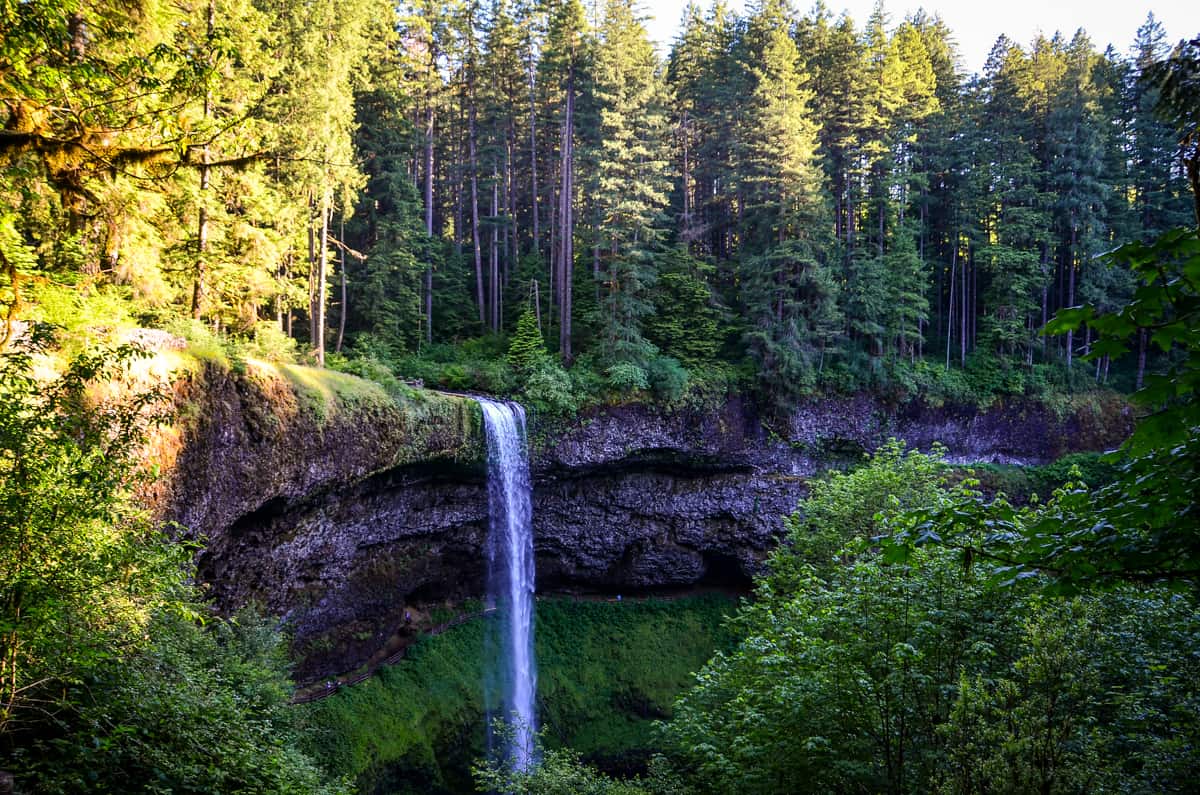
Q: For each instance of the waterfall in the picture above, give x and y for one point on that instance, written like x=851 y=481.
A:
x=510 y=569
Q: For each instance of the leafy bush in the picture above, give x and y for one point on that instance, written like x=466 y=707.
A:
x=918 y=676
x=559 y=771
x=270 y=343
x=842 y=507
x=202 y=342
x=202 y=709
x=113 y=684
x=626 y=377
x=371 y=369
x=548 y=389
x=1022 y=483
x=475 y=366
x=80 y=562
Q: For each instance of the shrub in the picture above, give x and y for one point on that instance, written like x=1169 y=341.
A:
x=667 y=377
x=371 y=369
x=626 y=377
x=548 y=389
x=270 y=342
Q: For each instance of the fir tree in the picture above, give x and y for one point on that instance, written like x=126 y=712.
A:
x=631 y=177
x=527 y=348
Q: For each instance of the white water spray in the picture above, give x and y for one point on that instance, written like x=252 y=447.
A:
x=510 y=568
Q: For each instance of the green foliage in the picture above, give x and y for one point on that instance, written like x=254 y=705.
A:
x=685 y=323
x=478 y=366
x=81 y=567
x=370 y=369
x=667 y=377
x=842 y=680
x=870 y=676
x=548 y=389
x=558 y=771
x=626 y=377
x=200 y=709
x=204 y=344
x=791 y=299
x=607 y=670
x=1022 y=484
x=111 y=681
x=1142 y=526
x=1077 y=710
x=842 y=507
x=270 y=343
x=412 y=720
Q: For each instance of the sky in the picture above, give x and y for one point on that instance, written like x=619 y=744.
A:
x=977 y=23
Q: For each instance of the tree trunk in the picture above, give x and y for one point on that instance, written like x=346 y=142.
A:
x=533 y=157
x=312 y=269
x=473 y=164
x=494 y=255
x=1071 y=295
x=1192 y=166
x=323 y=264
x=201 y=238
x=687 y=184
x=962 y=356
x=205 y=179
x=1141 y=359
x=428 y=281
x=566 y=231
x=342 y=267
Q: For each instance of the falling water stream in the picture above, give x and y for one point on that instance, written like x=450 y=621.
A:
x=510 y=570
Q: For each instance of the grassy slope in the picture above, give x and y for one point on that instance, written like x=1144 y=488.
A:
x=606 y=671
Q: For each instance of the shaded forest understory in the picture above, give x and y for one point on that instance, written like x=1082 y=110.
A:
x=523 y=198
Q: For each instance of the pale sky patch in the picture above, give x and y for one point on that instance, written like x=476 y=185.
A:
x=976 y=25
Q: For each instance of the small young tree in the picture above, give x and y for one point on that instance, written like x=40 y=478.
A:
x=527 y=348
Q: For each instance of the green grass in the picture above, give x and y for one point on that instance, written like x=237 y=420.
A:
x=606 y=671
x=325 y=392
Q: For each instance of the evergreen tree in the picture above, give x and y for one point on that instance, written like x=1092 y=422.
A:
x=631 y=177
x=707 y=84
x=686 y=322
x=784 y=287
x=1077 y=168
x=387 y=230
x=778 y=182
x=1010 y=247
x=564 y=65
x=527 y=348
x=1161 y=194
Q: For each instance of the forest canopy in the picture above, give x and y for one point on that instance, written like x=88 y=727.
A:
x=799 y=201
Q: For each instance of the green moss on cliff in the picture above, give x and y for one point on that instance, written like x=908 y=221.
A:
x=606 y=671
x=1020 y=483
x=439 y=425
x=326 y=392
x=277 y=400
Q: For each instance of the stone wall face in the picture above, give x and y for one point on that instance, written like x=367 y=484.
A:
x=344 y=529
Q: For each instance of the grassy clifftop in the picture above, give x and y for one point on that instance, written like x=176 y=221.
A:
x=249 y=433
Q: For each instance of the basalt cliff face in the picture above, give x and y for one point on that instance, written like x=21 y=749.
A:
x=354 y=520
